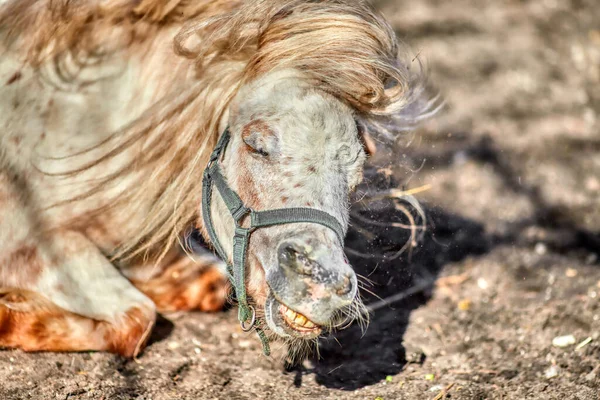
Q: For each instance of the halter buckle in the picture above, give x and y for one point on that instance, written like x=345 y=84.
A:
x=240 y=213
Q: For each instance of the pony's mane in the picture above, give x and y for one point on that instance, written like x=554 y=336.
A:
x=343 y=47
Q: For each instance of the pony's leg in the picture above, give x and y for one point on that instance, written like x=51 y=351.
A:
x=183 y=282
x=62 y=294
x=31 y=322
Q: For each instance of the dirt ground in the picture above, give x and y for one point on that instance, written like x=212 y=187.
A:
x=510 y=260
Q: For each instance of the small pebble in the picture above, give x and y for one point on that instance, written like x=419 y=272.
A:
x=551 y=372
x=592 y=184
x=571 y=272
x=591 y=376
x=563 y=341
x=541 y=249
x=173 y=345
x=436 y=388
x=482 y=283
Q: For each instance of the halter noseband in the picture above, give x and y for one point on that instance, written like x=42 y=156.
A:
x=258 y=219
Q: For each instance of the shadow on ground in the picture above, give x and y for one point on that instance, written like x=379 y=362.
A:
x=352 y=359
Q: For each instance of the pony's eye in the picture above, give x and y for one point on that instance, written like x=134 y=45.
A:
x=260 y=138
x=261 y=152
x=256 y=147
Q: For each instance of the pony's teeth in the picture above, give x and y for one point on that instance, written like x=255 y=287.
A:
x=300 y=319
x=290 y=314
x=295 y=319
x=309 y=324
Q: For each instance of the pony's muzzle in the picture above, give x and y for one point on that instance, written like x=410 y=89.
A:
x=312 y=280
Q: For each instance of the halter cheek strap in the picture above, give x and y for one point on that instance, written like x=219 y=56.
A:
x=258 y=219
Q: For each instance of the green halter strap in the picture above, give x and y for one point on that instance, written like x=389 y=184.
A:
x=258 y=219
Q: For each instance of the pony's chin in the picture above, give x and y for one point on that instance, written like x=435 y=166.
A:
x=287 y=323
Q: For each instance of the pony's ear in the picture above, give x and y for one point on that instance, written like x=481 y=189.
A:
x=260 y=138
x=366 y=139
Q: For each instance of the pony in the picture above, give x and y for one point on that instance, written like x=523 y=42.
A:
x=110 y=110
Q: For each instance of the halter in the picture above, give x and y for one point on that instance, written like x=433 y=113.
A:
x=258 y=219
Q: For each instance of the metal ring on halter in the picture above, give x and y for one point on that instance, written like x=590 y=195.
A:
x=252 y=320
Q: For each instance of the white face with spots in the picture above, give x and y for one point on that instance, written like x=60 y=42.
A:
x=293 y=146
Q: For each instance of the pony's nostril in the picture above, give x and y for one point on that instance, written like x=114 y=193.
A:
x=294 y=258
x=345 y=286
x=287 y=253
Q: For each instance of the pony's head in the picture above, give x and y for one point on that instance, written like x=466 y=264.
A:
x=293 y=146
x=315 y=77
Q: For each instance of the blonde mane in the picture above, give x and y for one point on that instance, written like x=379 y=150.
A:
x=343 y=47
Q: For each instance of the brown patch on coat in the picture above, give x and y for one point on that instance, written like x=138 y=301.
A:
x=24 y=264
x=60 y=288
x=104 y=236
x=15 y=77
x=185 y=285
x=257 y=125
